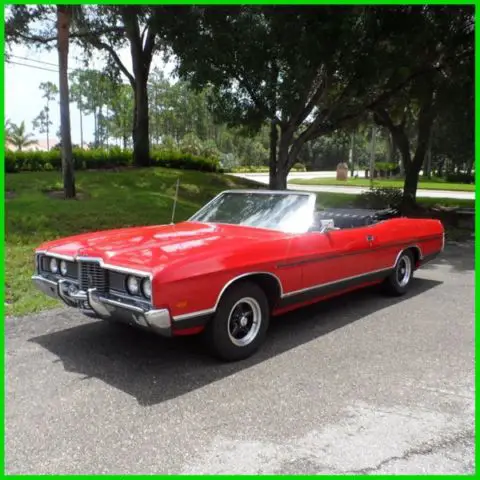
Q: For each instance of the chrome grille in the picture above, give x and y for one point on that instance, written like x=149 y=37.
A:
x=92 y=275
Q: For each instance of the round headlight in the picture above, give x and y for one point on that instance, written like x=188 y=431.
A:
x=147 y=288
x=133 y=286
x=53 y=265
x=63 y=267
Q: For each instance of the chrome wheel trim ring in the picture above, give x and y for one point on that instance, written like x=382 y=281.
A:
x=404 y=270
x=244 y=321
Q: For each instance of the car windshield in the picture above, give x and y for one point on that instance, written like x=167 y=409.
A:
x=287 y=212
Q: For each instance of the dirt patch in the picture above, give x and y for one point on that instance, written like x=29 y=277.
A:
x=114 y=169
x=60 y=195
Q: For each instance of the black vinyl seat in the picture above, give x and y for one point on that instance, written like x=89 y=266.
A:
x=351 y=217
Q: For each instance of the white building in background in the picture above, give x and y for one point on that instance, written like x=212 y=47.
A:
x=40 y=146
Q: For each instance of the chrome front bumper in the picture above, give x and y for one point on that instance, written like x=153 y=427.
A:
x=158 y=321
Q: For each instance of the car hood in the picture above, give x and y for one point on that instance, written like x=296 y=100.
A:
x=149 y=248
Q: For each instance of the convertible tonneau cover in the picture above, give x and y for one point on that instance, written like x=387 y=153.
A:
x=355 y=217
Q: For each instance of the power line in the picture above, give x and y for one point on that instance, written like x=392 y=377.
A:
x=41 y=61
x=33 y=60
x=31 y=66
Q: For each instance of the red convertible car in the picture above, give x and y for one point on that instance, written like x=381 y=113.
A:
x=243 y=257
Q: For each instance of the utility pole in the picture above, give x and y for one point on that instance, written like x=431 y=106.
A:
x=372 y=155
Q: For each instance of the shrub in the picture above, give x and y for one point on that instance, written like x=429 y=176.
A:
x=386 y=166
x=299 y=167
x=380 y=197
x=184 y=161
x=104 y=159
x=460 y=177
x=250 y=169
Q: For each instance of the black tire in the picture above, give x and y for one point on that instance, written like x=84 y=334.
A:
x=398 y=282
x=221 y=332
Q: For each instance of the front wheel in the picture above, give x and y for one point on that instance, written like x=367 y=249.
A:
x=399 y=280
x=240 y=323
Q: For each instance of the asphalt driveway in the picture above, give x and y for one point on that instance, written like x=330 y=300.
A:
x=362 y=384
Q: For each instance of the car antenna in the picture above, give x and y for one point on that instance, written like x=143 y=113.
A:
x=175 y=200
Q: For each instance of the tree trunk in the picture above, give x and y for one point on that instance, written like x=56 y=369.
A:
x=140 y=134
x=410 y=189
x=425 y=123
x=63 y=31
x=280 y=179
x=282 y=162
x=273 y=155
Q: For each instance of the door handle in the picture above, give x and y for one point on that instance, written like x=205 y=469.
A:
x=370 y=238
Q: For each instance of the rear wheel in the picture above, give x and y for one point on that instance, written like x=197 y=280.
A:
x=240 y=323
x=399 y=280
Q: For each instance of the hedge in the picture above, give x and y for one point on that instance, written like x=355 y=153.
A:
x=35 y=161
x=460 y=177
x=298 y=167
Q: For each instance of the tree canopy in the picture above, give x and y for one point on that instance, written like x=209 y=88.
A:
x=309 y=71
x=300 y=80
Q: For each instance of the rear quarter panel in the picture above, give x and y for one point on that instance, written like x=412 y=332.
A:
x=394 y=235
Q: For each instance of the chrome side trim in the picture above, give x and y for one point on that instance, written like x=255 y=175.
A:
x=209 y=311
x=344 y=279
x=198 y=313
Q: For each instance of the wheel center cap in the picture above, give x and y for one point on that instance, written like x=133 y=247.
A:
x=243 y=321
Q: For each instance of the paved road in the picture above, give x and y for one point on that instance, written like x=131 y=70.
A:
x=263 y=178
x=365 y=384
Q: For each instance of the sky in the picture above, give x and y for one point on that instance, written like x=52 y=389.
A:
x=23 y=100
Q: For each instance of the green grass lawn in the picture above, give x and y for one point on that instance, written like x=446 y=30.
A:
x=112 y=199
x=108 y=200
x=424 y=184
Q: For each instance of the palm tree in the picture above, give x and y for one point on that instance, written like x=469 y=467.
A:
x=6 y=132
x=18 y=137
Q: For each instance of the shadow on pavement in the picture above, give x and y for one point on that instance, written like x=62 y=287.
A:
x=460 y=256
x=155 y=369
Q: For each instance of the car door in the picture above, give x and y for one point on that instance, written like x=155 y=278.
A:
x=337 y=259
